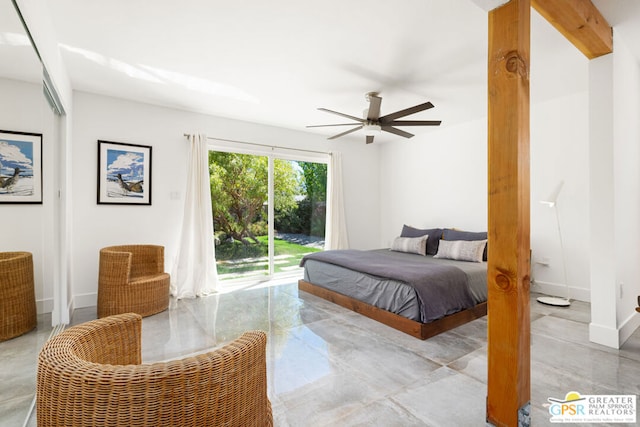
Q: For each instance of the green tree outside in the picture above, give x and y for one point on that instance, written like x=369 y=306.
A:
x=315 y=186
x=315 y=180
x=239 y=192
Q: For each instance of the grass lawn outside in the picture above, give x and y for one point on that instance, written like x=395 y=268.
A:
x=237 y=259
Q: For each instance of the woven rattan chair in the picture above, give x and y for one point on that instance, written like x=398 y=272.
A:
x=131 y=279
x=17 y=295
x=90 y=375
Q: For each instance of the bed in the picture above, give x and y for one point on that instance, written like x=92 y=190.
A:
x=416 y=292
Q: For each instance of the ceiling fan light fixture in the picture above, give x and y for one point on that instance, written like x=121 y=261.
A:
x=372 y=124
x=372 y=130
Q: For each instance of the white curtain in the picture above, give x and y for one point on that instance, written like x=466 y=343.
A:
x=194 y=273
x=336 y=228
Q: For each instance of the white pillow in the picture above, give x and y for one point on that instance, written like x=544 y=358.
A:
x=412 y=245
x=461 y=250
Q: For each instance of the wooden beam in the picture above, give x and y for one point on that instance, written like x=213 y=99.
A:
x=508 y=383
x=580 y=22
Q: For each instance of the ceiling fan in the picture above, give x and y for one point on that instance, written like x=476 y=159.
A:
x=373 y=124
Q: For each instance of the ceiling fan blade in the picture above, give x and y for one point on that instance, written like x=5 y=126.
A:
x=412 y=110
x=357 y=119
x=369 y=139
x=414 y=123
x=338 y=124
x=345 y=133
x=374 y=108
x=399 y=132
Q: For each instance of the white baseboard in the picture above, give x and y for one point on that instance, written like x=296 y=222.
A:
x=85 y=300
x=559 y=290
x=611 y=337
x=604 y=335
x=628 y=327
x=44 y=305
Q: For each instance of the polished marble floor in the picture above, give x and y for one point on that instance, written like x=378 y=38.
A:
x=328 y=366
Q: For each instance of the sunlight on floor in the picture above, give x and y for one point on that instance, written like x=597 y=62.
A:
x=228 y=286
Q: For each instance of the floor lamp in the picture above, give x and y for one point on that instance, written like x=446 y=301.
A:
x=552 y=202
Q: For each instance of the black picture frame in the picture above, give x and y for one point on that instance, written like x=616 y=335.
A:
x=20 y=167
x=124 y=173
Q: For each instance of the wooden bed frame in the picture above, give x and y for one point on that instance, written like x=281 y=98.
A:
x=408 y=326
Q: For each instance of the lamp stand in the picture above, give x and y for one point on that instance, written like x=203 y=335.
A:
x=558 y=301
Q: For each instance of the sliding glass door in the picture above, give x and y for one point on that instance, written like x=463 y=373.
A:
x=268 y=212
x=299 y=222
x=239 y=196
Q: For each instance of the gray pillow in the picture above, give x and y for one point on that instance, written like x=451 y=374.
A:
x=412 y=245
x=450 y=234
x=435 y=234
x=462 y=250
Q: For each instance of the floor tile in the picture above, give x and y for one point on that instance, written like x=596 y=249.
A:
x=327 y=365
x=381 y=413
x=446 y=398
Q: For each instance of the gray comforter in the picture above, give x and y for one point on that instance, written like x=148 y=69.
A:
x=441 y=289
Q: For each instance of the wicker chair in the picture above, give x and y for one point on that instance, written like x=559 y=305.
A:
x=90 y=375
x=132 y=279
x=17 y=295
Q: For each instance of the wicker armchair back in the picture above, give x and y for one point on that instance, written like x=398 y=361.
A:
x=17 y=294
x=131 y=279
x=90 y=375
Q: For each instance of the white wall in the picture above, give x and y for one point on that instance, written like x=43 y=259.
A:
x=615 y=201
x=603 y=325
x=29 y=227
x=435 y=179
x=560 y=154
x=95 y=226
x=626 y=157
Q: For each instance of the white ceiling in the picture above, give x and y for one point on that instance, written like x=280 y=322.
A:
x=276 y=62
x=18 y=60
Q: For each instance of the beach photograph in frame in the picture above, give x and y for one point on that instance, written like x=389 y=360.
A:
x=124 y=173
x=20 y=167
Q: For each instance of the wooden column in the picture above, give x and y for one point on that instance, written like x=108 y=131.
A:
x=508 y=384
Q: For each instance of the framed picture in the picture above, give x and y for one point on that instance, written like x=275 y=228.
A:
x=20 y=167
x=124 y=174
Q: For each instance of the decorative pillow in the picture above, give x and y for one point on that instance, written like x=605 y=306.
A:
x=435 y=234
x=451 y=234
x=461 y=250
x=412 y=245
